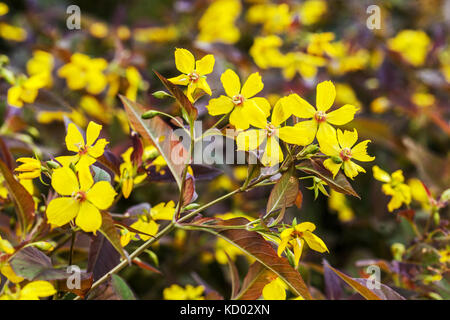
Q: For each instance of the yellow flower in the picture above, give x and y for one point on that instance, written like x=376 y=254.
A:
x=163 y=211
x=12 y=33
x=31 y=291
x=3 y=9
x=41 y=64
x=266 y=53
x=319 y=43
x=5 y=267
x=311 y=11
x=134 y=80
x=29 y=169
x=444 y=255
x=87 y=151
x=275 y=290
x=82 y=199
x=341 y=151
x=270 y=133
x=346 y=95
x=25 y=90
x=98 y=29
x=346 y=58
x=94 y=108
x=393 y=186
x=3 y=189
x=321 y=121
x=275 y=18
x=419 y=193
x=245 y=109
x=84 y=72
x=296 y=236
x=423 y=99
x=380 y=105
x=194 y=72
x=156 y=34
x=339 y=203
x=128 y=175
x=217 y=24
x=412 y=45
x=305 y=64
x=175 y=292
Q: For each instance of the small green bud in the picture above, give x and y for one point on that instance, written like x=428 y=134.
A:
x=192 y=206
x=160 y=94
x=52 y=164
x=397 y=249
x=336 y=159
x=150 y=114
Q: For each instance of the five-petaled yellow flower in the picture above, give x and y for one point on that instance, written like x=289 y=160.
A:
x=296 y=236
x=341 y=152
x=321 y=122
x=87 y=151
x=271 y=132
x=194 y=72
x=393 y=186
x=245 y=109
x=82 y=199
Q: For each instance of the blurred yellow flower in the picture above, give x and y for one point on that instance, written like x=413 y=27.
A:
x=156 y=34
x=218 y=22
x=41 y=64
x=25 y=90
x=176 y=292
x=4 y=9
x=266 y=53
x=305 y=64
x=12 y=33
x=98 y=29
x=412 y=45
x=311 y=11
x=275 y=18
x=338 y=202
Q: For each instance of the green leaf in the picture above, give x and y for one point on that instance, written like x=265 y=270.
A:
x=24 y=203
x=339 y=183
x=121 y=288
x=161 y=135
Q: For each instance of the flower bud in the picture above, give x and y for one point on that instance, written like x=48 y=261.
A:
x=149 y=114
x=336 y=159
x=160 y=94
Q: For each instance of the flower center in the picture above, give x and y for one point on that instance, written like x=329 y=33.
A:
x=297 y=234
x=238 y=100
x=194 y=76
x=80 y=196
x=345 y=154
x=320 y=116
x=83 y=150
x=271 y=130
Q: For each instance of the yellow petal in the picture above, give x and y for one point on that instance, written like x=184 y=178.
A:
x=274 y=291
x=37 y=289
x=101 y=195
x=74 y=139
x=252 y=86
x=351 y=169
x=255 y=115
x=184 y=60
x=150 y=228
x=347 y=138
x=231 y=83
x=182 y=79
x=163 y=211
x=92 y=132
x=305 y=226
x=314 y=242
x=85 y=177
x=250 y=139
x=326 y=132
x=284 y=242
x=9 y=273
x=342 y=115
x=295 y=135
x=325 y=95
x=98 y=148
x=281 y=111
x=202 y=84
x=220 y=105
x=14 y=94
x=89 y=218
x=239 y=118
x=380 y=174
x=205 y=65
x=298 y=248
x=273 y=154
x=64 y=181
x=61 y=211
x=262 y=104
x=308 y=129
x=300 y=107
x=332 y=166
x=359 y=152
